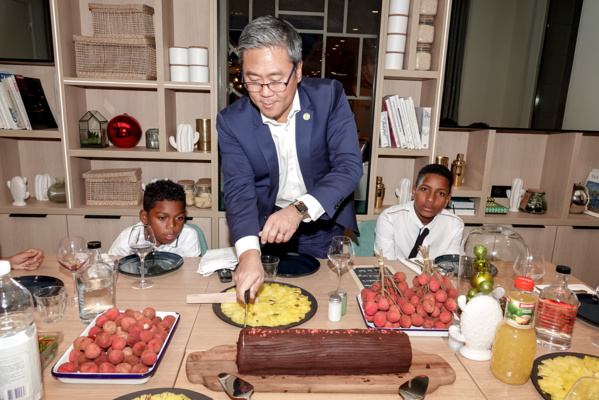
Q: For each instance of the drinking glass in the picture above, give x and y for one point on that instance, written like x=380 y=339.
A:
x=595 y=338
x=72 y=254
x=142 y=242
x=585 y=388
x=341 y=253
x=531 y=264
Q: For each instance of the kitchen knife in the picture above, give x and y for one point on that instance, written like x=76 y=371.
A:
x=236 y=387
x=221 y=297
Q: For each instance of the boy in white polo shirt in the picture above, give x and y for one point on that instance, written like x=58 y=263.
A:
x=424 y=221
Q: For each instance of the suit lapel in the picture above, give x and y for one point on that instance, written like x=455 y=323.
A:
x=303 y=135
x=269 y=151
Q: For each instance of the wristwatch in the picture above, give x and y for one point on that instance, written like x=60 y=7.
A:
x=301 y=208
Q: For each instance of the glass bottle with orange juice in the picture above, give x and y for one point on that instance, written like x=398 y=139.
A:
x=515 y=342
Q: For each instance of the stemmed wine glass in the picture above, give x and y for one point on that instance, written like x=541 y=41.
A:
x=72 y=254
x=531 y=265
x=341 y=253
x=142 y=242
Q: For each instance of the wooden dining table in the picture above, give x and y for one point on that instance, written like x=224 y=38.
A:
x=200 y=329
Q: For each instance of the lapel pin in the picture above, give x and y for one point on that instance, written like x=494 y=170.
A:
x=306 y=116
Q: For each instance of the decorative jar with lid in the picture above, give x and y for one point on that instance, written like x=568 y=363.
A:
x=203 y=195
x=534 y=202
x=426 y=29
x=423 y=57
x=190 y=189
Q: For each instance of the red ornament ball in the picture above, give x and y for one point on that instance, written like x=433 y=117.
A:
x=124 y=131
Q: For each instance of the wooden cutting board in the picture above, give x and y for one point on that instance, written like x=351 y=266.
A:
x=204 y=366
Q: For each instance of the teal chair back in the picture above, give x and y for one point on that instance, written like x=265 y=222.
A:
x=364 y=244
x=201 y=237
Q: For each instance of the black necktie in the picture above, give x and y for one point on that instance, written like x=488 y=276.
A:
x=418 y=243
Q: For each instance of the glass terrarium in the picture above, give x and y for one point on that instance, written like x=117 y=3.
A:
x=503 y=246
x=92 y=130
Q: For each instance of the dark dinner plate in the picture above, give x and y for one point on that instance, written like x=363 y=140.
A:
x=33 y=283
x=313 y=308
x=589 y=308
x=156 y=263
x=189 y=393
x=292 y=265
x=534 y=376
x=448 y=262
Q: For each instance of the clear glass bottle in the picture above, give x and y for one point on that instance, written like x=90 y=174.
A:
x=95 y=284
x=423 y=57
x=19 y=348
x=515 y=342
x=426 y=29
x=57 y=191
x=556 y=312
x=203 y=197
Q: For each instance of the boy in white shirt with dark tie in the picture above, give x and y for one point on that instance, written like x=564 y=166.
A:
x=424 y=221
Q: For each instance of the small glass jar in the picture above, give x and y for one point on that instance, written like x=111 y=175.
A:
x=534 y=202
x=189 y=188
x=426 y=29
x=335 y=307
x=57 y=191
x=203 y=198
x=423 y=57
x=429 y=7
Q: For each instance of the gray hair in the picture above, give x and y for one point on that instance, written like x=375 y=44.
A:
x=271 y=32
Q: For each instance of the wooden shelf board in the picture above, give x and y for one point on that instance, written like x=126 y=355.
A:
x=106 y=83
x=188 y=86
x=138 y=152
x=410 y=75
x=395 y=152
x=34 y=207
x=31 y=134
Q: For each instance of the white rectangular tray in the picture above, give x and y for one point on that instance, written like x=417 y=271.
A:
x=126 y=379
x=413 y=331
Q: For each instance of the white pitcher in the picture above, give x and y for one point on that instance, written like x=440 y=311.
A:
x=186 y=138
x=18 y=190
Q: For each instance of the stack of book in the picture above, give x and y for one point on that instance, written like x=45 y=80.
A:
x=23 y=104
x=461 y=206
x=403 y=125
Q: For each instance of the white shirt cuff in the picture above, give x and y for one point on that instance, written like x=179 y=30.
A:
x=247 y=243
x=315 y=210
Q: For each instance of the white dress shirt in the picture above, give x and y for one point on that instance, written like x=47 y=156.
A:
x=291 y=181
x=186 y=244
x=398 y=227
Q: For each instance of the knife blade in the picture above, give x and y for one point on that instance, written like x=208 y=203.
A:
x=246 y=298
x=221 y=297
x=236 y=387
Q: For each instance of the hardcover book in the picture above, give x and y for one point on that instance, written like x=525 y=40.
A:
x=35 y=102
x=12 y=88
x=593 y=186
x=385 y=139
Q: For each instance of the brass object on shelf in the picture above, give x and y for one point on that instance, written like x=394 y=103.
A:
x=380 y=192
x=458 y=169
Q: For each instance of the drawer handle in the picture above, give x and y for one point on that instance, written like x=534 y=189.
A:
x=102 y=217
x=27 y=215
x=586 y=227
x=527 y=226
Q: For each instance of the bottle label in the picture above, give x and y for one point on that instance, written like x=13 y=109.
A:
x=519 y=313
x=20 y=368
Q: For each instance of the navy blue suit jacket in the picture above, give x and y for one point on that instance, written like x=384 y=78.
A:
x=327 y=148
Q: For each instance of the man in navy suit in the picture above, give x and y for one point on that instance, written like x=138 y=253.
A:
x=290 y=154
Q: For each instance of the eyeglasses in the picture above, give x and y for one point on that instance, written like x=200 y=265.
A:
x=255 y=87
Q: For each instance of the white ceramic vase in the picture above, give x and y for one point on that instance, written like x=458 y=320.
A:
x=403 y=192
x=186 y=138
x=515 y=194
x=42 y=183
x=479 y=319
x=18 y=190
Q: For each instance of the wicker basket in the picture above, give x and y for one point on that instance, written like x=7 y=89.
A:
x=115 y=58
x=113 y=187
x=122 y=20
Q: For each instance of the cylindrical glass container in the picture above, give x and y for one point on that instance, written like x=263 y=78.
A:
x=57 y=191
x=515 y=341
x=428 y=7
x=423 y=57
x=335 y=307
x=203 y=198
x=556 y=314
x=189 y=188
x=152 y=138
x=343 y=294
x=426 y=29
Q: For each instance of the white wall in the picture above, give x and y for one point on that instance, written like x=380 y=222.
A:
x=581 y=107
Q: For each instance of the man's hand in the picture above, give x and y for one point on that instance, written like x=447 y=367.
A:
x=281 y=226
x=249 y=274
x=29 y=259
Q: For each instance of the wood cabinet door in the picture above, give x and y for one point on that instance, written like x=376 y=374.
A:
x=103 y=228
x=23 y=231
x=538 y=237
x=578 y=248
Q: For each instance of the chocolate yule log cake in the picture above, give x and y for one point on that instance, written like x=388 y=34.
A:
x=323 y=352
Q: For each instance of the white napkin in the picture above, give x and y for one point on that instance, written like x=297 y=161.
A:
x=413 y=266
x=575 y=286
x=216 y=259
